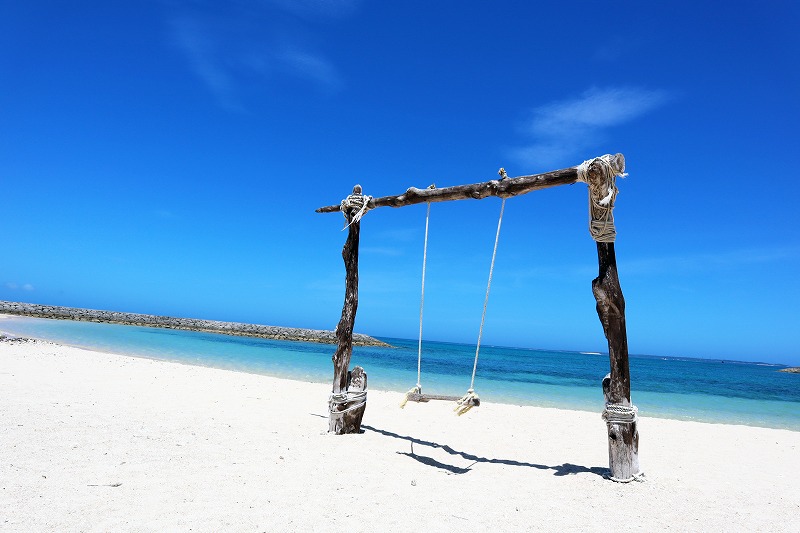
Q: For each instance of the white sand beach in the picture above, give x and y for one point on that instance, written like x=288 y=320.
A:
x=99 y=442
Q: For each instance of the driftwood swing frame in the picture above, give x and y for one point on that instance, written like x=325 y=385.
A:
x=348 y=398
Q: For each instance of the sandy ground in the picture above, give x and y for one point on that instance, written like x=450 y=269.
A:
x=99 y=442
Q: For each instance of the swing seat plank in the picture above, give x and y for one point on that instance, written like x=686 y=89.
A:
x=416 y=397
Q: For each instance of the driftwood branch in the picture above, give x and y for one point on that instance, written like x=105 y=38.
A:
x=343 y=420
x=501 y=188
x=623 y=435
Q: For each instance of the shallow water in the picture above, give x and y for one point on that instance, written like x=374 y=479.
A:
x=689 y=389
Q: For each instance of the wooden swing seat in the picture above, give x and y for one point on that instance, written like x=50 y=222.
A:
x=416 y=397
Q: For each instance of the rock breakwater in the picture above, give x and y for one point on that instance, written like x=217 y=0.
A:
x=190 y=324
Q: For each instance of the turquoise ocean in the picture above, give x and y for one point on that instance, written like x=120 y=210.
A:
x=716 y=391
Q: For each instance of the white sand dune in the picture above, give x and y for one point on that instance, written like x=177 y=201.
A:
x=99 y=442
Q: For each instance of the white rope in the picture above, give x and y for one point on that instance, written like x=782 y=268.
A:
x=617 y=413
x=471 y=392
x=417 y=389
x=343 y=398
x=636 y=477
x=602 y=194
x=422 y=299
x=354 y=201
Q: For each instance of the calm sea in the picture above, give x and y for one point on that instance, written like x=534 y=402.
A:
x=716 y=391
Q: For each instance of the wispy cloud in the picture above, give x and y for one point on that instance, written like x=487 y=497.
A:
x=230 y=48
x=318 y=8
x=15 y=286
x=205 y=59
x=561 y=130
x=165 y=214
x=311 y=67
x=658 y=266
x=711 y=261
x=382 y=250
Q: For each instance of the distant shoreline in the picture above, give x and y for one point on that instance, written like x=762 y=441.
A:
x=189 y=324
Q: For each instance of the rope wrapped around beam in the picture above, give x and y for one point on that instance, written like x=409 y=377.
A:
x=602 y=194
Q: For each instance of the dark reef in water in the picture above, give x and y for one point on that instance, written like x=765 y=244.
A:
x=190 y=324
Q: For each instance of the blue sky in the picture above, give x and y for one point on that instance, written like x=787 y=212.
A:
x=166 y=157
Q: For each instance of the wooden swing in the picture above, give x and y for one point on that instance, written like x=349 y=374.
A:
x=470 y=399
x=348 y=396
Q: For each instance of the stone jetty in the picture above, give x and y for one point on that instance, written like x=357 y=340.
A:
x=190 y=324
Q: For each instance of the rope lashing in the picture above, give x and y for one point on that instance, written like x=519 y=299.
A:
x=602 y=194
x=467 y=402
x=617 y=413
x=411 y=392
x=336 y=399
x=636 y=477
x=355 y=201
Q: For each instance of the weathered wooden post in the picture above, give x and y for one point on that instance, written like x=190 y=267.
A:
x=620 y=414
x=348 y=398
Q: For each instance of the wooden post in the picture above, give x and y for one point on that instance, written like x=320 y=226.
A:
x=623 y=434
x=349 y=396
x=620 y=414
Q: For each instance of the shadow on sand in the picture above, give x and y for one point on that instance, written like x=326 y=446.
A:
x=565 y=469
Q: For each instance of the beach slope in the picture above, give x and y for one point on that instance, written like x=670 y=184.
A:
x=101 y=442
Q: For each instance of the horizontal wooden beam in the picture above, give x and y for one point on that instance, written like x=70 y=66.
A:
x=502 y=188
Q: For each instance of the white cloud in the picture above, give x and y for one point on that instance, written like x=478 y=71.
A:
x=235 y=46
x=312 y=67
x=561 y=130
x=15 y=286
x=711 y=262
x=201 y=49
x=382 y=250
x=165 y=214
